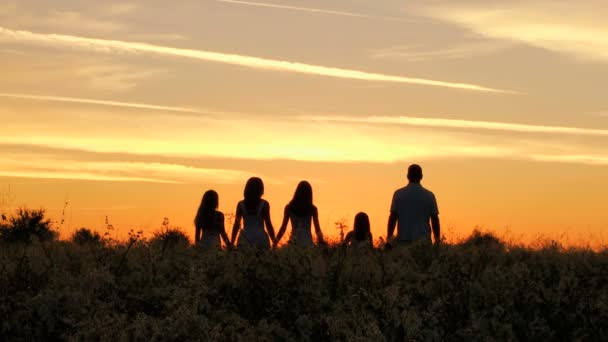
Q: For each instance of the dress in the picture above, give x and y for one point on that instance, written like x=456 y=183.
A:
x=300 y=229
x=253 y=233
x=211 y=235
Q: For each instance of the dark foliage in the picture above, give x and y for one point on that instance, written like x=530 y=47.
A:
x=85 y=236
x=481 y=289
x=26 y=224
x=170 y=237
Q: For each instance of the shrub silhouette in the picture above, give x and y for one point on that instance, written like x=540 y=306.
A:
x=170 y=237
x=85 y=236
x=26 y=224
x=479 y=239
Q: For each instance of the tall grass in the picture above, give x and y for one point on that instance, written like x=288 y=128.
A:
x=478 y=289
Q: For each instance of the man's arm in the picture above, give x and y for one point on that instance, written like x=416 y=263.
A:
x=435 y=226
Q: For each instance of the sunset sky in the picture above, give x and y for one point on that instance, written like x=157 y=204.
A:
x=131 y=110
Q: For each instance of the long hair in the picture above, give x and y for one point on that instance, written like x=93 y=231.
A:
x=301 y=204
x=254 y=189
x=361 y=226
x=206 y=211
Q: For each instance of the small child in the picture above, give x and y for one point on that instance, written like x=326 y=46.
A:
x=361 y=234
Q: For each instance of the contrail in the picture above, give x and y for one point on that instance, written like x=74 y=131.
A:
x=463 y=124
x=102 y=102
x=296 y=8
x=103 y=45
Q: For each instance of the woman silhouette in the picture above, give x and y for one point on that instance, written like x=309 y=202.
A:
x=301 y=212
x=209 y=223
x=255 y=212
x=361 y=234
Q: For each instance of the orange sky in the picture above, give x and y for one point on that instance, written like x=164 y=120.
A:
x=132 y=109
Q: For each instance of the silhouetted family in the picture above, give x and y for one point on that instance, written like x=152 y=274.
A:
x=413 y=211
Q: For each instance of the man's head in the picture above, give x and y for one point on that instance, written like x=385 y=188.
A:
x=414 y=173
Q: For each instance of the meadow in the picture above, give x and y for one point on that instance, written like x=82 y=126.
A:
x=91 y=287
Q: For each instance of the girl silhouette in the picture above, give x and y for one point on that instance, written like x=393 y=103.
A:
x=255 y=213
x=361 y=234
x=300 y=211
x=209 y=223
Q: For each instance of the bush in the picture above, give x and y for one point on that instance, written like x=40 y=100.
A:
x=26 y=224
x=85 y=236
x=170 y=237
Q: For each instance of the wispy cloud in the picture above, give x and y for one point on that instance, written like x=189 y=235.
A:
x=121 y=8
x=573 y=158
x=575 y=28
x=58 y=19
x=421 y=53
x=102 y=102
x=103 y=45
x=114 y=78
x=153 y=172
x=297 y=8
x=463 y=124
x=313 y=139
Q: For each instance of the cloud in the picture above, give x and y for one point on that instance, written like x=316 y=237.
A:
x=450 y=50
x=318 y=138
x=113 y=77
x=296 y=8
x=464 y=124
x=251 y=137
x=58 y=19
x=573 y=158
x=121 y=8
x=574 y=28
x=69 y=20
x=115 y=46
x=102 y=103
x=118 y=171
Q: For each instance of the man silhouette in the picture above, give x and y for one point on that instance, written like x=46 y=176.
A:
x=413 y=207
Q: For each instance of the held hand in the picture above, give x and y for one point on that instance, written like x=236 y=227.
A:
x=437 y=240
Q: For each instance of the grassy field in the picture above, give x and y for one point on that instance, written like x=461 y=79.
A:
x=165 y=289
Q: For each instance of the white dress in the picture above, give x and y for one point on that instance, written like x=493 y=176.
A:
x=253 y=233
x=211 y=237
x=300 y=229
